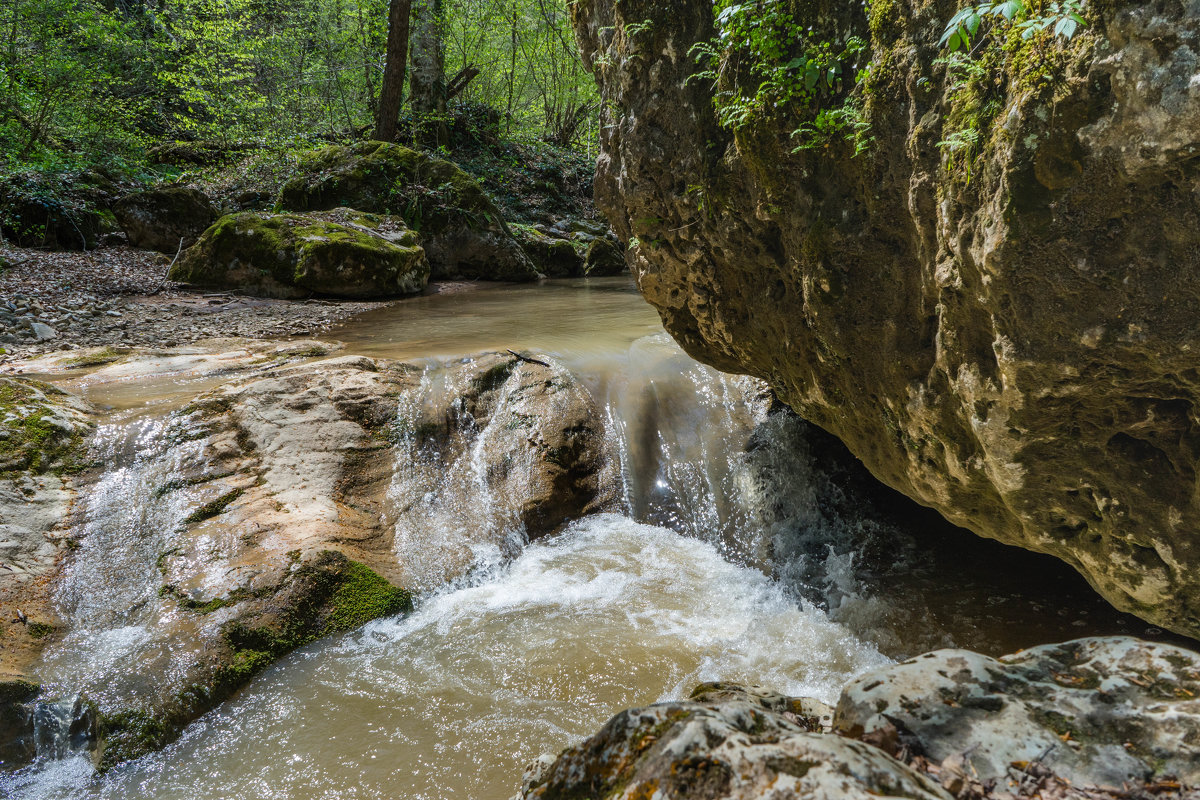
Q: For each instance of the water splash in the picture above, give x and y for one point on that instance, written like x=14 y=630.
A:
x=442 y=507
x=517 y=659
x=110 y=592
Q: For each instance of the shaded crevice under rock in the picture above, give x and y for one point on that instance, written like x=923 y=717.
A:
x=1011 y=344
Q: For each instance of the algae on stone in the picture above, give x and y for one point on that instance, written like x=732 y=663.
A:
x=461 y=229
x=41 y=428
x=341 y=253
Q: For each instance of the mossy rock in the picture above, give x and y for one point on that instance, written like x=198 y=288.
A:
x=460 y=227
x=604 y=258
x=341 y=253
x=200 y=154
x=47 y=221
x=554 y=257
x=327 y=594
x=42 y=429
x=160 y=219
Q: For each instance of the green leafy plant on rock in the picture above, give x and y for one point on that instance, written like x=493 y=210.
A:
x=764 y=62
x=1061 y=17
x=993 y=48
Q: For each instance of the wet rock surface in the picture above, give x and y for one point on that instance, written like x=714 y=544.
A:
x=1097 y=712
x=42 y=446
x=269 y=509
x=497 y=450
x=1014 y=348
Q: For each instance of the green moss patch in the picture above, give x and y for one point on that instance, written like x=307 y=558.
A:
x=41 y=630
x=362 y=596
x=95 y=358
x=35 y=436
x=213 y=508
x=131 y=734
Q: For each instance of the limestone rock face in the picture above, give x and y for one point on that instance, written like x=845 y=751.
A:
x=1007 y=335
x=301 y=498
x=160 y=219
x=43 y=433
x=493 y=451
x=341 y=253
x=461 y=229
x=1098 y=712
x=733 y=743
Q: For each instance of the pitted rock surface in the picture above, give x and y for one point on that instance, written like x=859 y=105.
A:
x=1011 y=339
x=1098 y=712
x=728 y=742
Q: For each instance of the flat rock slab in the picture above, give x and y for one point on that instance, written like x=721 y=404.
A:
x=1098 y=712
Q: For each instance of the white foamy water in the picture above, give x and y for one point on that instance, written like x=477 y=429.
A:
x=523 y=658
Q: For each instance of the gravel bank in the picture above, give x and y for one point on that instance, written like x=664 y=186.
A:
x=65 y=301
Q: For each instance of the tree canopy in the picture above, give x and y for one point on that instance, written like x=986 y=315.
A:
x=90 y=80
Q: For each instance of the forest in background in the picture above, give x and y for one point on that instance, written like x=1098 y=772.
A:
x=132 y=89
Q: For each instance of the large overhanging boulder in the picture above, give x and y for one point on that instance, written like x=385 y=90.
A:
x=1007 y=335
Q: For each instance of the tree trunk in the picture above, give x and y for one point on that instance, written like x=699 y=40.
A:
x=427 y=79
x=391 y=94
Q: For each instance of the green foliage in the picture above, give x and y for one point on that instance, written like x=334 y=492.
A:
x=86 y=83
x=530 y=69
x=764 y=62
x=991 y=46
x=1030 y=17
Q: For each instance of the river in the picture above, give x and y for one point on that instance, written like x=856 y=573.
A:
x=748 y=548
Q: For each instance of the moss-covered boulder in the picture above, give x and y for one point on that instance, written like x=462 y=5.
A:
x=341 y=253
x=461 y=229
x=166 y=218
x=52 y=221
x=198 y=153
x=553 y=256
x=324 y=594
x=604 y=258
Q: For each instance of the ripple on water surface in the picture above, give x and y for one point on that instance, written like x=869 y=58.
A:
x=453 y=700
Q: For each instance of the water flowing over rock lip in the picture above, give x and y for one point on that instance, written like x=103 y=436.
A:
x=1010 y=344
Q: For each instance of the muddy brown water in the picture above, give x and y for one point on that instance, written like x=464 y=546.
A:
x=749 y=548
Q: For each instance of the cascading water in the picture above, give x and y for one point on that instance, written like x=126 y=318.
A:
x=110 y=593
x=439 y=504
x=787 y=574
